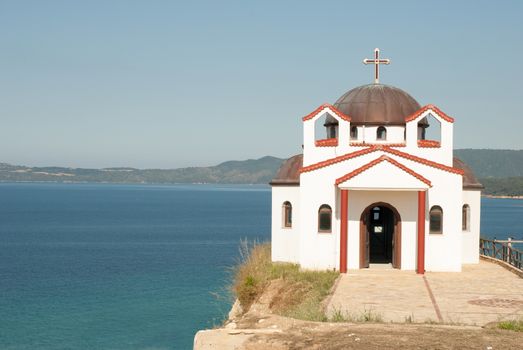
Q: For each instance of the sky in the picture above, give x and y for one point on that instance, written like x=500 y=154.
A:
x=167 y=84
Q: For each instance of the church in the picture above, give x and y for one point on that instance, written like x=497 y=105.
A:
x=376 y=186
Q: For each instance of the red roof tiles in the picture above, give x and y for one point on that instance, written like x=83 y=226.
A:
x=335 y=160
x=424 y=161
x=324 y=106
x=429 y=144
x=363 y=144
x=327 y=142
x=426 y=108
x=377 y=161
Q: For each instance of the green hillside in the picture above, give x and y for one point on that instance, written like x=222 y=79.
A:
x=500 y=171
x=493 y=162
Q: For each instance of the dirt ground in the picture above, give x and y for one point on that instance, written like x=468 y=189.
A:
x=387 y=336
x=256 y=332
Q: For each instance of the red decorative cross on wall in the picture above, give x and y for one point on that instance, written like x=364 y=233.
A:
x=376 y=62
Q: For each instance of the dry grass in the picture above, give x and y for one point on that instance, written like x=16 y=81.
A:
x=368 y=315
x=298 y=293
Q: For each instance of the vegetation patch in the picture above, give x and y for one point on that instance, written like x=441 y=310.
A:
x=295 y=293
x=368 y=315
x=512 y=325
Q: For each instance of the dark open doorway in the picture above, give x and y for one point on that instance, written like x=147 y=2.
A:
x=380 y=236
x=380 y=223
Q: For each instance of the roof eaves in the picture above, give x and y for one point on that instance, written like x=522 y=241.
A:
x=435 y=109
x=377 y=161
x=321 y=108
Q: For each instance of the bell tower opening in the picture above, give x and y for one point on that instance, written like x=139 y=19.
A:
x=429 y=129
x=326 y=130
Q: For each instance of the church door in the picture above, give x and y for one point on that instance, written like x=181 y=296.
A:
x=380 y=236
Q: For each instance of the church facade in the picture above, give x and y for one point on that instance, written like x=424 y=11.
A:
x=377 y=183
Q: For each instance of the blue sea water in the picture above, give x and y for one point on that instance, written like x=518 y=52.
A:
x=88 y=266
x=119 y=267
x=501 y=218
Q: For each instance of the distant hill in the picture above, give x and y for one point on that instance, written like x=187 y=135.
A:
x=492 y=162
x=252 y=171
x=501 y=171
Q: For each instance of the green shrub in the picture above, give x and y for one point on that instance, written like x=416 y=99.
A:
x=513 y=325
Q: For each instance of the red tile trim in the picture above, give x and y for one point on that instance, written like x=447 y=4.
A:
x=335 y=160
x=321 y=108
x=327 y=142
x=377 y=161
x=361 y=144
x=424 y=161
x=374 y=148
x=426 y=108
x=429 y=144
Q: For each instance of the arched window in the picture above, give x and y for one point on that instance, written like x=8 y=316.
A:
x=381 y=133
x=354 y=133
x=465 y=218
x=436 y=220
x=325 y=218
x=287 y=214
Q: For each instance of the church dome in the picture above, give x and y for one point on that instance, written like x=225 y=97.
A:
x=377 y=104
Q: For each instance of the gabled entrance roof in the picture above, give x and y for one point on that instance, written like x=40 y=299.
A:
x=383 y=173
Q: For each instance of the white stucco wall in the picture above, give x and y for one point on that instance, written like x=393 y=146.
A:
x=395 y=134
x=285 y=241
x=318 y=250
x=470 y=239
x=443 y=251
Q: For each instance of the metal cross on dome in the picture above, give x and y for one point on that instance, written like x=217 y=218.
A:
x=376 y=62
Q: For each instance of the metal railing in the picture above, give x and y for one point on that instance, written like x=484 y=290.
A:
x=502 y=250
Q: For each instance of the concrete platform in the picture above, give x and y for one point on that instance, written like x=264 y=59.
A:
x=478 y=295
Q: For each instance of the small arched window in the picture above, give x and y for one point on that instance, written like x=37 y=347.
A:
x=287 y=214
x=354 y=133
x=465 y=218
x=436 y=220
x=381 y=133
x=325 y=218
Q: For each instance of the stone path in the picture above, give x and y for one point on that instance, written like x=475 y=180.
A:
x=478 y=295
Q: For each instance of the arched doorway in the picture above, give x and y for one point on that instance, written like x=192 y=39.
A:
x=380 y=235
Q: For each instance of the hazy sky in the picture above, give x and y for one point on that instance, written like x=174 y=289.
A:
x=170 y=84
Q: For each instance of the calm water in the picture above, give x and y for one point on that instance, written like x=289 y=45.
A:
x=119 y=267
x=133 y=267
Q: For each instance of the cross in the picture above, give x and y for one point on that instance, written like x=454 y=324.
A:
x=376 y=62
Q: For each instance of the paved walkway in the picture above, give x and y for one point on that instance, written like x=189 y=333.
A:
x=478 y=295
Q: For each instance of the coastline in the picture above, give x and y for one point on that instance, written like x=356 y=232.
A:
x=501 y=196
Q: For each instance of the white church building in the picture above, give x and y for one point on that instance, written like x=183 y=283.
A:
x=377 y=183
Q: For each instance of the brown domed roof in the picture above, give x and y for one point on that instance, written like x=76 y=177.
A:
x=377 y=104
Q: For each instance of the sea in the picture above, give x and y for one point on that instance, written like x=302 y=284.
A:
x=104 y=266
